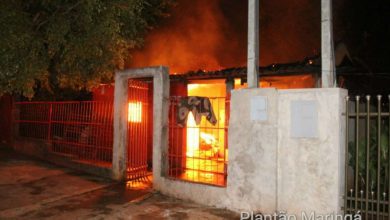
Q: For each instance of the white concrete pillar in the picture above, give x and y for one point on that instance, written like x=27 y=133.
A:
x=119 y=156
x=327 y=49
x=253 y=44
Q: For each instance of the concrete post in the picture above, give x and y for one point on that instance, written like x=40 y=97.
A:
x=327 y=50
x=119 y=156
x=160 y=123
x=253 y=44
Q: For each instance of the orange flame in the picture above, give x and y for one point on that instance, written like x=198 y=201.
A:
x=210 y=35
x=192 y=136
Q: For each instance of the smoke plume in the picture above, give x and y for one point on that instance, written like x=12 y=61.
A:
x=212 y=34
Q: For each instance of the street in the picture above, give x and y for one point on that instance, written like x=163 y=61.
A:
x=32 y=189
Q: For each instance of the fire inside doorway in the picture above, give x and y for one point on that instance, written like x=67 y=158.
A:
x=140 y=138
x=198 y=125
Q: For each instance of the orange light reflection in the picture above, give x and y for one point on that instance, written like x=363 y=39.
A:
x=135 y=112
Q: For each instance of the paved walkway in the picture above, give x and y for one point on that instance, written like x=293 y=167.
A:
x=31 y=189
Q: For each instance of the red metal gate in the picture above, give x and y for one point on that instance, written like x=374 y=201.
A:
x=138 y=132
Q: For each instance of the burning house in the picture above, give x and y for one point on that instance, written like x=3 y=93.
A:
x=199 y=110
x=198 y=146
x=212 y=137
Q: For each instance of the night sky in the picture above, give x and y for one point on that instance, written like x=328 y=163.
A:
x=212 y=35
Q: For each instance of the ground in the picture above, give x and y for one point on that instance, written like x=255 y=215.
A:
x=32 y=189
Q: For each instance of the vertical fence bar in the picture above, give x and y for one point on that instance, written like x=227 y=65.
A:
x=129 y=132
x=388 y=159
x=346 y=155
x=361 y=199
x=379 y=156
x=49 y=126
x=139 y=132
x=357 y=152
x=170 y=131
x=367 y=153
x=146 y=123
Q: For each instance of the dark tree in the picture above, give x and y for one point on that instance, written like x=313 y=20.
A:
x=72 y=44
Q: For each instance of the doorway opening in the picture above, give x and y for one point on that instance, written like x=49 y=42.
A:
x=140 y=131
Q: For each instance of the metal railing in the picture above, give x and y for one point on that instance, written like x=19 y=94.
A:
x=78 y=130
x=367 y=163
x=198 y=153
x=139 y=130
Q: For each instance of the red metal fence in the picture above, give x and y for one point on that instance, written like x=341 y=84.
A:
x=83 y=131
x=78 y=130
x=198 y=153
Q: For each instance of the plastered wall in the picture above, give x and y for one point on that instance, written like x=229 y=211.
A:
x=271 y=169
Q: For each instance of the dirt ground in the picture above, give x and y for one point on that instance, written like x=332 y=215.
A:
x=32 y=189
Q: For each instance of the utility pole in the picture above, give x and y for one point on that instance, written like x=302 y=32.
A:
x=328 y=73
x=253 y=44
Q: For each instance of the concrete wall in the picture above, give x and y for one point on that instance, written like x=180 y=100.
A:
x=311 y=170
x=269 y=170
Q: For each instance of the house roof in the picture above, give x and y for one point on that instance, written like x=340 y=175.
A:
x=346 y=66
x=310 y=65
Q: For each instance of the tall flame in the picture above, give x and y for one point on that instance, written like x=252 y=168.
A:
x=192 y=136
x=207 y=140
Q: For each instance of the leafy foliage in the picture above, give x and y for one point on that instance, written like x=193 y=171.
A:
x=372 y=157
x=69 y=43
